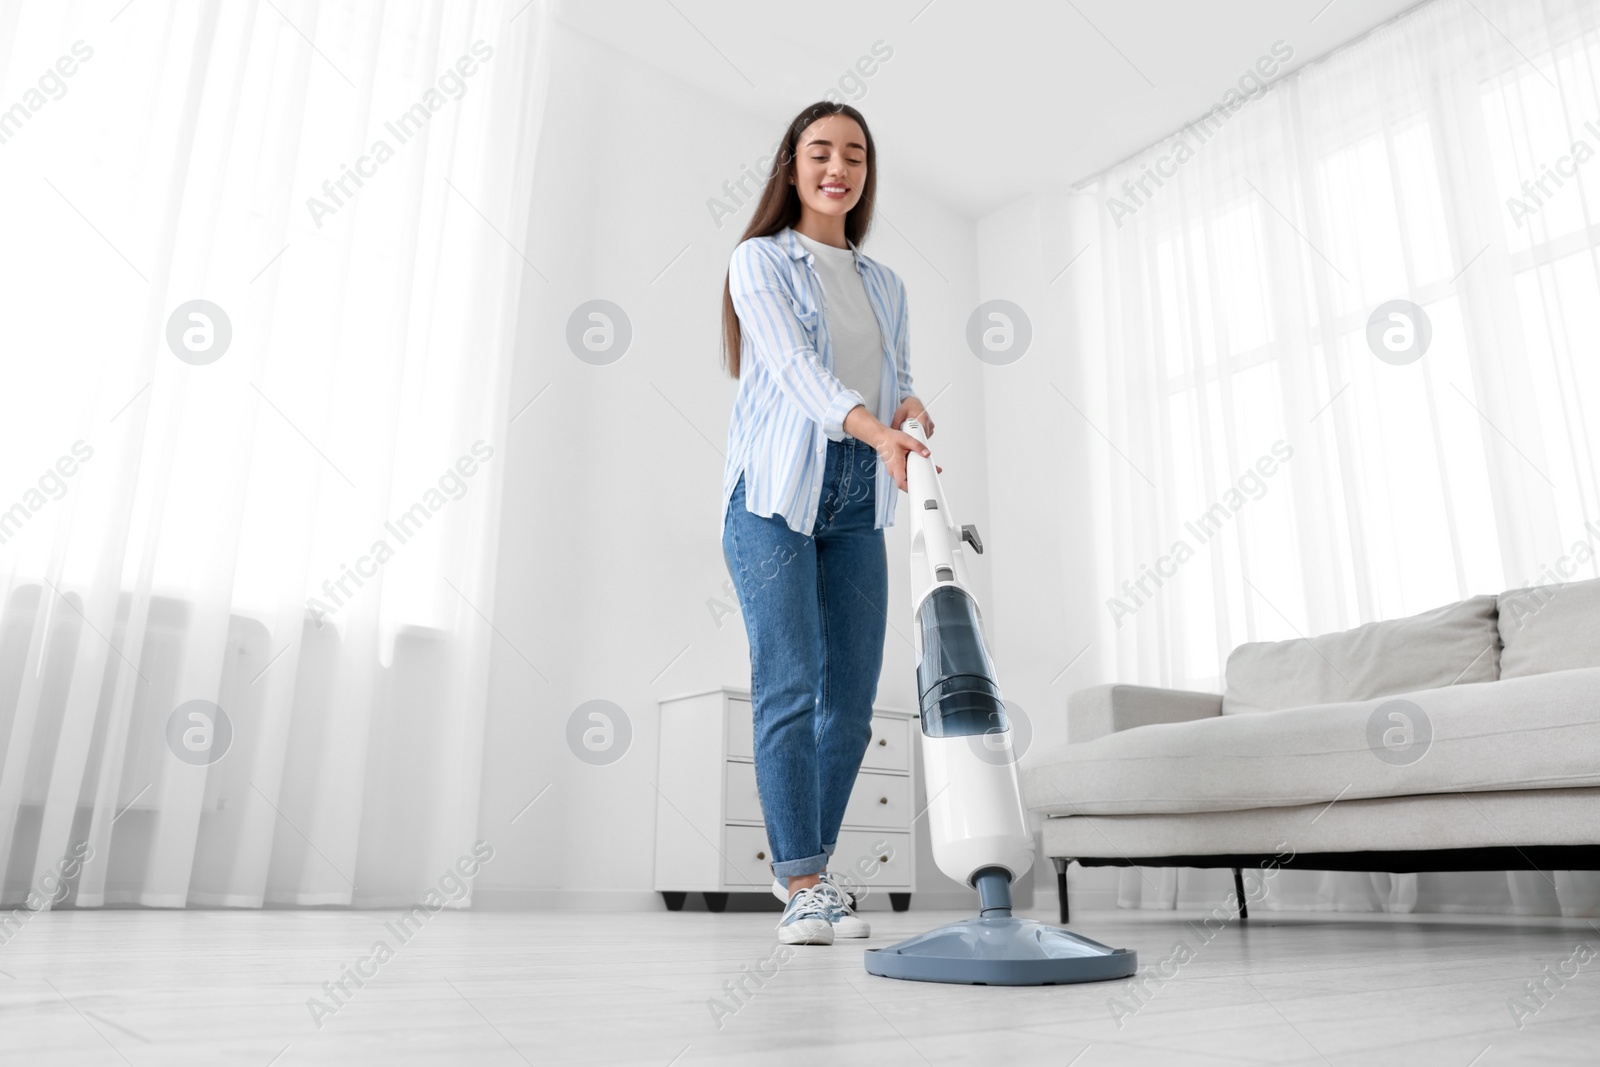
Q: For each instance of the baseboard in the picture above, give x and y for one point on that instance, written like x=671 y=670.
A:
x=601 y=900
x=1090 y=899
x=566 y=900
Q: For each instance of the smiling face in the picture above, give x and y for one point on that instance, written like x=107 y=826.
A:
x=831 y=165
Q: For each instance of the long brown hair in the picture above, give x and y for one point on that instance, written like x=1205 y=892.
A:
x=780 y=206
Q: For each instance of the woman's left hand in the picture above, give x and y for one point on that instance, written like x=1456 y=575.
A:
x=911 y=408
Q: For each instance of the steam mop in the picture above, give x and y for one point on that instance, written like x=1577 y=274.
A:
x=975 y=813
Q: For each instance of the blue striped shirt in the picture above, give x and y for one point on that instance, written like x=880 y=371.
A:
x=789 y=404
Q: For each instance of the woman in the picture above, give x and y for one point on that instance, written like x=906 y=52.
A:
x=817 y=335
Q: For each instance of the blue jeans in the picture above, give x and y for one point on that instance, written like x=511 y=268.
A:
x=814 y=610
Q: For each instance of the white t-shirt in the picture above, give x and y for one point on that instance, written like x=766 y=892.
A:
x=858 y=352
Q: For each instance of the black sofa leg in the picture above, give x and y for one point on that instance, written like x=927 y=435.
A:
x=1061 y=887
x=1238 y=888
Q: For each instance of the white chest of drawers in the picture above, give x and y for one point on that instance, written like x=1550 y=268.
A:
x=710 y=837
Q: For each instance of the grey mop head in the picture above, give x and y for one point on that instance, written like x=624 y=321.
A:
x=997 y=948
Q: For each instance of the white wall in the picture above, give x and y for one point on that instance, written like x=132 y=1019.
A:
x=609 y=546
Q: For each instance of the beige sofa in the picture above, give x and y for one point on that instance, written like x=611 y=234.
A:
x=1464 y=738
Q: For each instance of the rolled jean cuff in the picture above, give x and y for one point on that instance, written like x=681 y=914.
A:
x=797 y=868
x=827 y=850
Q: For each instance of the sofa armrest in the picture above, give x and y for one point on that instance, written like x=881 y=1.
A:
x=1107 y=709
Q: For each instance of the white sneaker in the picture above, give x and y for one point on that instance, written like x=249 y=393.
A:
x=846 y=923
x=807 y=920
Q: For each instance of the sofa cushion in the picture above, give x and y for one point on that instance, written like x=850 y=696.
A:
x=1454 y=644
x=1538 y=732
x=1549 y=628
x=1105 y=709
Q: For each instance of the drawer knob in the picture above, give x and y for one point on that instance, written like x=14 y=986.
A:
x=883 y=741
x=761 y=855
x=883 y=800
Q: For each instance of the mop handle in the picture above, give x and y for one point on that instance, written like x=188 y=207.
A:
x=921 y=480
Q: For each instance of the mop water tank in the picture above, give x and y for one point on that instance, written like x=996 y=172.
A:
x=956 y=687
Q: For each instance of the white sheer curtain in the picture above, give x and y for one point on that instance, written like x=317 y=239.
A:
x=1238 y=294
x=296 y=527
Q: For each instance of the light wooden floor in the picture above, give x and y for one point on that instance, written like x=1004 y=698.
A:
x=228 y=987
